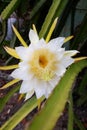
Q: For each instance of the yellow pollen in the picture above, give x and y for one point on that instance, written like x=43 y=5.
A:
x=43 y=64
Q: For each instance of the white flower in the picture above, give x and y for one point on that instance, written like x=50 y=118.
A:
x=42 y=65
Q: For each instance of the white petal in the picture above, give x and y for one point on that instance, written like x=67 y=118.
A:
x=21 y=73
x=57 y=42
x=51 y=86
x=42 y=43
x=23 y=52
x=71 y=53
x=39 y=93
x=26 y=87
x=48 y=92
x=61 y=70
x=39 y=88
x=54 y=81
x=33 y=37
x=48 y=89
x=59 y=53
x=66 y=61
x=23 y=65
x=29 y=94
x=16 y=74
x=35 y=85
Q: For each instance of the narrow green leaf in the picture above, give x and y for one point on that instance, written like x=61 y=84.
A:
x=36 y=8
x=9 y=9
x=47 y=117
x=49 y=17
x=3 y=30
x=81 y=37
x=78 y=122
x=4 y=100
x=83 y=84
x=82 y=90
x=19 y=115
x=61 y=8
x=67 y=8
x=82 y=99
x=13 y=121
x=70 y=112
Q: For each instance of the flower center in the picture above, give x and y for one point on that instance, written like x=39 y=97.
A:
x=43 y=64
x=43 y=61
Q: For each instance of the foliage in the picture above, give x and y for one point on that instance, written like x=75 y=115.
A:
x=43 y=13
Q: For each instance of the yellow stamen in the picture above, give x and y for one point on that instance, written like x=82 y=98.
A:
x=10 y=83
x=51 y=30
x=80 y=58
x=34 y=28
x=68 y=38
x=8 y=67
x=19 y=37
x=12 y=52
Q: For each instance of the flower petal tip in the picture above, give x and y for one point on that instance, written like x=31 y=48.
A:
x=10 y=83
x=11 y=52
x=80 y=58
x=68 y=38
